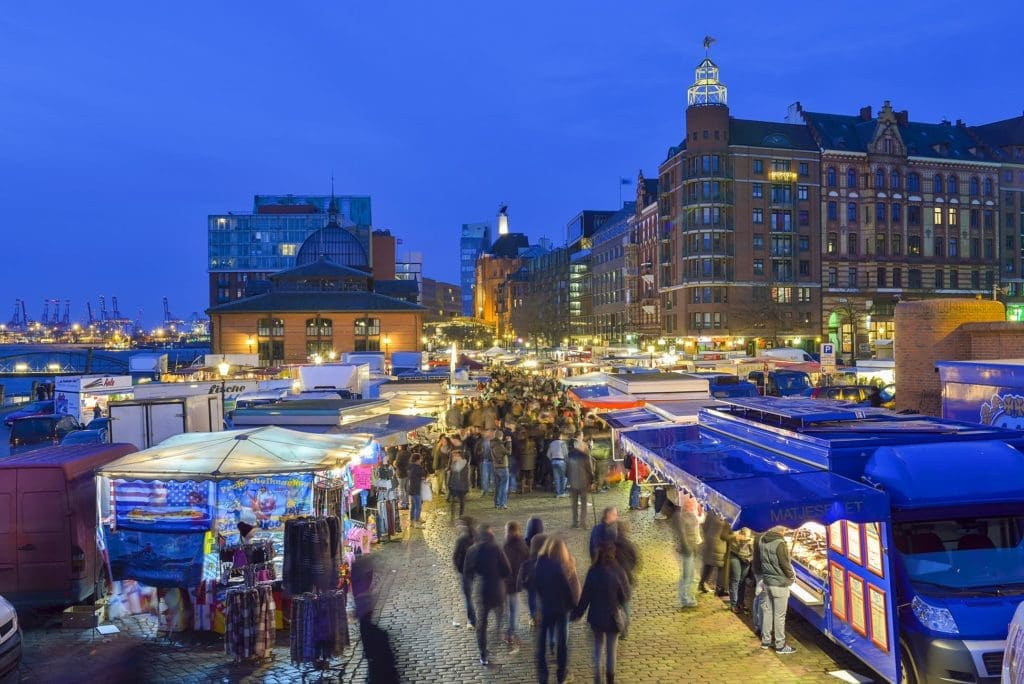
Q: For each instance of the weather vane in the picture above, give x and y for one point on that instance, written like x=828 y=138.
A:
x=708 y=40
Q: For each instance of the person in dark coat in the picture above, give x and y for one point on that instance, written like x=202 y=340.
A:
x=716 y=535
x=557 y=586
x=604 y=597
x=458 y=481
x=462 y=544
x=580 y=472
x=416 y=478
x=604 y=531
x=525 y=572
x=516 y=551
x=487 y=566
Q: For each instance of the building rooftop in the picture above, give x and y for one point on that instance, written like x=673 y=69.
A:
x=284 y=302
x=319 y=269
x=752 y=133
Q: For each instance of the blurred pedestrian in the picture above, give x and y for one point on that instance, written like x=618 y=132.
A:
x=580 y=472
x=525 y=574
x=458 y=482
x=467 y=537
x=603 y=599
x=558 y=452
x=487 y=567
x=637 y=472
x=517 y=552
x=534 y=526
x=604 y=531
x=741 y=553
x=686 y=536
x=558 y=589
x=716 y=538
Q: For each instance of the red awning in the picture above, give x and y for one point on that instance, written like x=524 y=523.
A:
x=621 y=401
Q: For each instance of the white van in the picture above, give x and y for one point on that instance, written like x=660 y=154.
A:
x=785 y=354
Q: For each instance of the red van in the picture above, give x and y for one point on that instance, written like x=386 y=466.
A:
x=48 y=554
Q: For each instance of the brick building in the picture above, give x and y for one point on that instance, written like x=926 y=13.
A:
x=910 y=210
x=320 y=309
x=740 y=214
x=642 y=310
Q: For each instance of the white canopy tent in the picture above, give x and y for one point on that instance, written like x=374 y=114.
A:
x=238 y=453
x=495 y=351
x=595 y=378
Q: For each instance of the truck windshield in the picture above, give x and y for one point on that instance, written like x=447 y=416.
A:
x=963 y=553
x=792 y=383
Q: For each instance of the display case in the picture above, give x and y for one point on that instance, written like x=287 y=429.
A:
x=808 y=551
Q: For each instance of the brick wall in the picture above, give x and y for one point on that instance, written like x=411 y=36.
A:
x=946 y=330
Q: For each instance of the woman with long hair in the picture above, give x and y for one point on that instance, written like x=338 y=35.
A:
x=557 y=586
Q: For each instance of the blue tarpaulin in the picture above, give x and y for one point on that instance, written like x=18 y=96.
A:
x=629 y=418
x=750 y=488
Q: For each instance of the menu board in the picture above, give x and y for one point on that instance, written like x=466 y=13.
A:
x=837 y=589
x=879 y=621
x=858 y=617
x=853 y=551
x=835 y=536
x=873 y=549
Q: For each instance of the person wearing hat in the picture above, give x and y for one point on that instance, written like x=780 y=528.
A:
x=247 y=527
x=684 y=518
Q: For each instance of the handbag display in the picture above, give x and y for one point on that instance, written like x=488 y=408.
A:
x=426 y=493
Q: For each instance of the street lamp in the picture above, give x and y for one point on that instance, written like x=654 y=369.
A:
x=650 y=350
x=223 y=368
x=250 y=342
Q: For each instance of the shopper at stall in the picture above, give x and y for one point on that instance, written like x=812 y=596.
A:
x=741 y=552
x=771 y=558
x=558 y=453
x=516 y=551
x=580 y=473
x=716 y=539
x=605 y=531
x=402 y=468
x=686 y=535
x=557 y=586
x=485 y=454
x=528 y=460
x=416 y=479
x=487 y=567
x=467 y=536
x=603 y=599
x=637 y=472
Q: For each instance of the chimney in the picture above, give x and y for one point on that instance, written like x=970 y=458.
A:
x=865 y=113
x=902 y=117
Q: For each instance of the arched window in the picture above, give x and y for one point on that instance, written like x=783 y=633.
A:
x=270 y=341
x=879 y=179
x=937 y=184
x=851 y=178
x=367 y=334
x=988 y=187
x=894 y=180
x=973 y=187
x=830 y=177
x=913 y=182
x=951 y=186
x=319 y=337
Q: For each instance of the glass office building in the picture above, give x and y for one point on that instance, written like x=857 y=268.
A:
x=475 y=240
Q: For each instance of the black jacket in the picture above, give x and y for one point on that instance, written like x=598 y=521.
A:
x=771 y=560
x=549 y=583
x=462 y=545
x=516 y=552
x=579 y=470
x=599 y=534
x=604 y=592
x=487 y=565
x=416 y=475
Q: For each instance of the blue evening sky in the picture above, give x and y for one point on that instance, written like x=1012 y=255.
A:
x=123 y=124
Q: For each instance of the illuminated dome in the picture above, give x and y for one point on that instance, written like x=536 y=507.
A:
x=706 y=88
x=334 y=243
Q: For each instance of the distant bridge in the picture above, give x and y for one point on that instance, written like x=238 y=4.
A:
x=77 y=362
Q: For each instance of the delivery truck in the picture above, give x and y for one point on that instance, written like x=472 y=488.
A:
x=48 y=553
x=146 y=422
x=906 y=533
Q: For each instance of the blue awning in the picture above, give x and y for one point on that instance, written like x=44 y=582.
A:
x=387 y=433
x=751 y=488
x=590 y=391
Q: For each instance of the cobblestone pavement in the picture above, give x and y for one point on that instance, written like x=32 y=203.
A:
x=420 y=606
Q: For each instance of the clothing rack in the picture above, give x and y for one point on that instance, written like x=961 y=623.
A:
x=329 y=494
x=319 y=627
x=312 y=554
x=249 y=629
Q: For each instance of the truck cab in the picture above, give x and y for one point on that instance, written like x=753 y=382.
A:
x=780 y=383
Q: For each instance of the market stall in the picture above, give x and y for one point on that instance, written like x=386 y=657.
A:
x=231 y=525
x=81 y=395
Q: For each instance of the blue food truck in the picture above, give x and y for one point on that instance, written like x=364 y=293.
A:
x=906 y=532
x=986 y=392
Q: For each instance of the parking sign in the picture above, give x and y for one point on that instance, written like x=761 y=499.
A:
x=827 y=354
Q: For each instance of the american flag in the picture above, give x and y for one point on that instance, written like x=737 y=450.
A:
x=156 y=504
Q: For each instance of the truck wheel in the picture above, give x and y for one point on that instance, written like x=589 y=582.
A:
x=907 y=667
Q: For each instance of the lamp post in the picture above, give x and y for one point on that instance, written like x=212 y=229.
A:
x=650 y=349
x=223 y=368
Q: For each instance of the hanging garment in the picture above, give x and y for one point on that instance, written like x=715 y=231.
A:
x=249 y=614
x=319 y=627
x=311 y=554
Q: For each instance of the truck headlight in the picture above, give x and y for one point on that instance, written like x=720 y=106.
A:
x=934 y=618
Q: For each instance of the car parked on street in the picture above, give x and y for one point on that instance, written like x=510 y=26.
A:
x=33 y=432
x=10 y=642
x=32 y=408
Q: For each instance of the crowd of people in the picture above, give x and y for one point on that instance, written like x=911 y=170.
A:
x=522 y=436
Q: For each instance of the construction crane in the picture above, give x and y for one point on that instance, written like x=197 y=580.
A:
x=116 y=312
x=103 y=309
x=167 y=311
x=88 y=309
x=66 y=320
x=46 y=311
